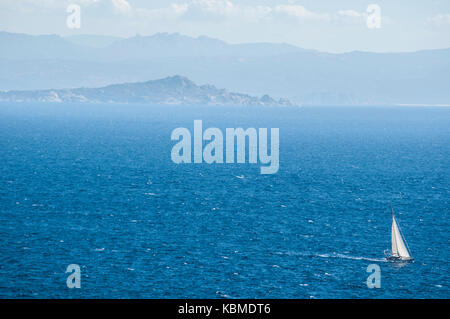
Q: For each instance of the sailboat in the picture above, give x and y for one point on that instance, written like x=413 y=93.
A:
x=399 y=251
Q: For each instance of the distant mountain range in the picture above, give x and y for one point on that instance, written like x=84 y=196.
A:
x=171 y=90
x=306 y=77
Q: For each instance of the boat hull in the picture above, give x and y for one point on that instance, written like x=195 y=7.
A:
x=399 y=259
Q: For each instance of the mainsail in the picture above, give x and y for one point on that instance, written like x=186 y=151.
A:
x=398 y=245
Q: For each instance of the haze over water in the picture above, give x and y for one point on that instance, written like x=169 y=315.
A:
x=94 y=185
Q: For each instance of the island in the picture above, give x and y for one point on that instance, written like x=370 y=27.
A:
x=177 y=90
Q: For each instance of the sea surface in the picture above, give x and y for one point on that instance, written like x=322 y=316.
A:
x=94 y=185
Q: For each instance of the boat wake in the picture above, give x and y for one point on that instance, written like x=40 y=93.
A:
x=334 y=255
x=351 y=257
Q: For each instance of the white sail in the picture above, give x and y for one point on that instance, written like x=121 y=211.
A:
x=398 y=246
x=393 y=240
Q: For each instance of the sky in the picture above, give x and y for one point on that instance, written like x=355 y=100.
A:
x=325 y=25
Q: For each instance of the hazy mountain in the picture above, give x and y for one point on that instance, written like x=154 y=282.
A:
x=281 y=70
x=164 y=45
x=170 y=90
x=101 y=48
x=94 y=41
x=17 y=46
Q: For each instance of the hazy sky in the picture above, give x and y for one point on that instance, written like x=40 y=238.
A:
x=327 y=25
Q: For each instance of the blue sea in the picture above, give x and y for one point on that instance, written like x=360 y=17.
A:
x=94 y=185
